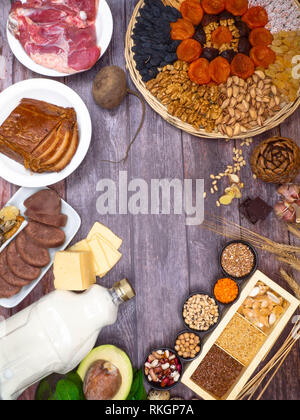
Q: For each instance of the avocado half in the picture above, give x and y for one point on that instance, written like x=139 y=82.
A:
x=118 y=358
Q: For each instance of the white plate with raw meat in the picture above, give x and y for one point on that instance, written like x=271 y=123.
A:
x=70 y=229
x=55 y=93
x=68 y=40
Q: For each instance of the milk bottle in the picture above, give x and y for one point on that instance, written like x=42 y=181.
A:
x=55 y=334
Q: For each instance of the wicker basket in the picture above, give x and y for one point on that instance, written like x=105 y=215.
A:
x=277 y=119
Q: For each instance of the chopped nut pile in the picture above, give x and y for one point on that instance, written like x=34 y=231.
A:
x=163 y=368
x=200 y=312
x=193 y=104
x=238 y=260
x=188 y=345
x=247 y=104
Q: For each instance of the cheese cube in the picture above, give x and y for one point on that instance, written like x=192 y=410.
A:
x=99 y=257
x=84 y=246
x=112 y=255
x=113 y=239
x=73 y=270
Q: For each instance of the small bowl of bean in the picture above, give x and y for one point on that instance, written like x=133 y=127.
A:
x=163 y=369
x=201 y=313
x=188 y=346
x=238 y=260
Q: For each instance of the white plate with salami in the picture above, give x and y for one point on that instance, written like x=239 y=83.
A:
x=59 y=58
x=70 y=229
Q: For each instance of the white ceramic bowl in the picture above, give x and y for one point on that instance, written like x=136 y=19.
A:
x=104 y=27
x=57 y=94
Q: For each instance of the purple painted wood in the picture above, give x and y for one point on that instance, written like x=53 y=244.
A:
x=163 y=258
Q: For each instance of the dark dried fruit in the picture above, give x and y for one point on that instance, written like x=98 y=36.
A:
x=226 y=15
x=200 y=35
x=207 y=19
x=244 y=46
x=243 y=28
x=210 y=53
x=229 y=55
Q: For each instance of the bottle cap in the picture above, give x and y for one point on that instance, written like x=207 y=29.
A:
x=124 y=290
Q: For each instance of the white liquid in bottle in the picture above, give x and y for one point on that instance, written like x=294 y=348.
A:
x=54 y=334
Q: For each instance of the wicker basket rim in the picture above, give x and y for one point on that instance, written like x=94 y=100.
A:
x=271 y=123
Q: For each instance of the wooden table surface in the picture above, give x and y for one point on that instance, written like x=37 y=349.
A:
x=164 y=259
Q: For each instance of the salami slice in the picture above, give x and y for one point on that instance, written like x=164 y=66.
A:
x=30 y=252
x=18 y=266
x=7 y=275
x=46 y=236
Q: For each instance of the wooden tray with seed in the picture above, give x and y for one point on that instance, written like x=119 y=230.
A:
x=246 y=353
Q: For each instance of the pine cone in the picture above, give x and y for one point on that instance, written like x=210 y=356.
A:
x=276 y=160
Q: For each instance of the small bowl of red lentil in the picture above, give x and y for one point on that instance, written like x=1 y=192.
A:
x=239 y=260
x=188 y=346
x=226 y=291
x=163 y=368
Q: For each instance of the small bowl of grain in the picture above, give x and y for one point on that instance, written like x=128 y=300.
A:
x=188 y=345
x=201 y=313
x=238 y=260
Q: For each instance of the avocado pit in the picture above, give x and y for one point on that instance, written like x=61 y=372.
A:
x=102 y=382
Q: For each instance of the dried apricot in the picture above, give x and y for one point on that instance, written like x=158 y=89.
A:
x=219 y=70
x=213 y=7
x=221 y=35
x=199 y=71
x=260 y=36
x=236 y=7
x=189 y=50
x=256 y=17
x=182 y=29
x=262 y=56
x=191 y=10
x=242 y=66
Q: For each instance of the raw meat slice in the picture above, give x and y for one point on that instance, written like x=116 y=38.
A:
x=45 y=202
x=56 y=220
x=46 y=236
x=7 y=275
x=31 y=253
x=18 y=266
x=60 y=35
